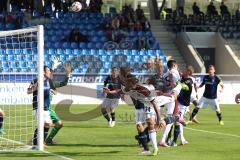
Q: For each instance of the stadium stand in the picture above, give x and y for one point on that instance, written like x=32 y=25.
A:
x=85 y=38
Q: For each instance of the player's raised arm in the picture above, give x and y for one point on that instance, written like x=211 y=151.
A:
x=32 y=87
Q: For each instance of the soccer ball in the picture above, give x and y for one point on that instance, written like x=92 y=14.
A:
x=76 y=6
x=237 y=98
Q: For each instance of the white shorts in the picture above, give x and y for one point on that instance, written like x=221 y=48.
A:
x=182 y=110
x=213 y=103
x=149 y=112
x=110 y=103
x=169 y=102
x=46 y=116
x=140 y=116
x=193 y=96
x=1 y=110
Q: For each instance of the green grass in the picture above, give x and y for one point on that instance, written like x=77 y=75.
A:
x=92 y=140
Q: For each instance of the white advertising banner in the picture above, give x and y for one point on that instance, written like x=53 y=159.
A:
x=88 y=93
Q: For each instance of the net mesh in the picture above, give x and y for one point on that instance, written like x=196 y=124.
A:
x=18 y=67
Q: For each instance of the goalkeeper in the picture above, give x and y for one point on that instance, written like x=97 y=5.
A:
x=55 y=118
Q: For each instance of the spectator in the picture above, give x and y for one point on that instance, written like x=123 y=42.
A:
x=211 y=10
x=224 y=10
x=115 y=23
x=138 y=26
x=139 y=12
x=146 y=26
x=158 y=59
x=95 y=5
x=196 y=9
x=77 y=36
x=3 y=6
x=57 y=5
x=180 y=5
x=149 y=65
x=237 y=13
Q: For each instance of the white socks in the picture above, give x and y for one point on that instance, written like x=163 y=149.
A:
x=181 y=133
x=153 y=138
x=165 y=133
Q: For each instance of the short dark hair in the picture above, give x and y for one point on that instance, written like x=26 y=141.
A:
x=45 y=68
x=190 y=69
x=209 y=66
x=171 y=62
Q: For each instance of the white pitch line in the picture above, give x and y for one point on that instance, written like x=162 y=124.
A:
x=57 y=155
x=50 y=153
x=218 y=133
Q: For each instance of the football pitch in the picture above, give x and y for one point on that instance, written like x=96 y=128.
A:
x=93 y=140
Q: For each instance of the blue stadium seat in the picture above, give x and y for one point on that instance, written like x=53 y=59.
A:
x=66 y=45
x=22 y=64
x=76 y=52
x=29 y=57
x=10 y=57
x=9 y=51
x=135 y=52
x=17 y=51
x=99 y=45
x=74 y=45
x=57 y=45
x=90 y=45
x=59 y=51
x=19 y=57
x=101 y=52
x=82 y=45
x=68 y=51
x=51 y=51
x=5 y=64
x=62 y=58
x=93 y=52
x=2 y=51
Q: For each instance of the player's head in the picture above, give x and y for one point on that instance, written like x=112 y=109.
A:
x=211 y=70
x=189 y=70
x=131 y=81
x=172 y=64
x=47 y=72
x=159 y=68
x=114 y=72
x=124 y=71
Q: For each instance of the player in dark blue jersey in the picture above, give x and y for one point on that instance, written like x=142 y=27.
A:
x=111 y=100
x=211 y=82
x=184 y=100
x=32 y=89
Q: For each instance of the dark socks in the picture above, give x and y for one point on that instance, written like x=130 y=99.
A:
x=146 y=133
x=113 y=116
x=169 y=134
x=1 y=122
x=194 y=113
x=219 y=115
x=105 y=114
x=176 y=133
x=35 y=137
x=143 y=140
x=45 y=133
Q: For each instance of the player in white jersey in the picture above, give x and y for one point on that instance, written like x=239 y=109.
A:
x=171 y=77
x=146 y=94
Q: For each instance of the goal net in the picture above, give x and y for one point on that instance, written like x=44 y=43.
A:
x=21 y=61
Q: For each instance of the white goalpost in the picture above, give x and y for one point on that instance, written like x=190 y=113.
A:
x=21 y=61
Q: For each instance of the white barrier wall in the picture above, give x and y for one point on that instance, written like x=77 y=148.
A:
x=88 y=93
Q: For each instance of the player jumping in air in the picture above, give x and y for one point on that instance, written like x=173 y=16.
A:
x=171 y=77
x=140 y=118
x=112 y=99
x=32 y=89
x=211 y=82
x=146 y=95
x=184 y=100
x=55 y=118
x=1 y=122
